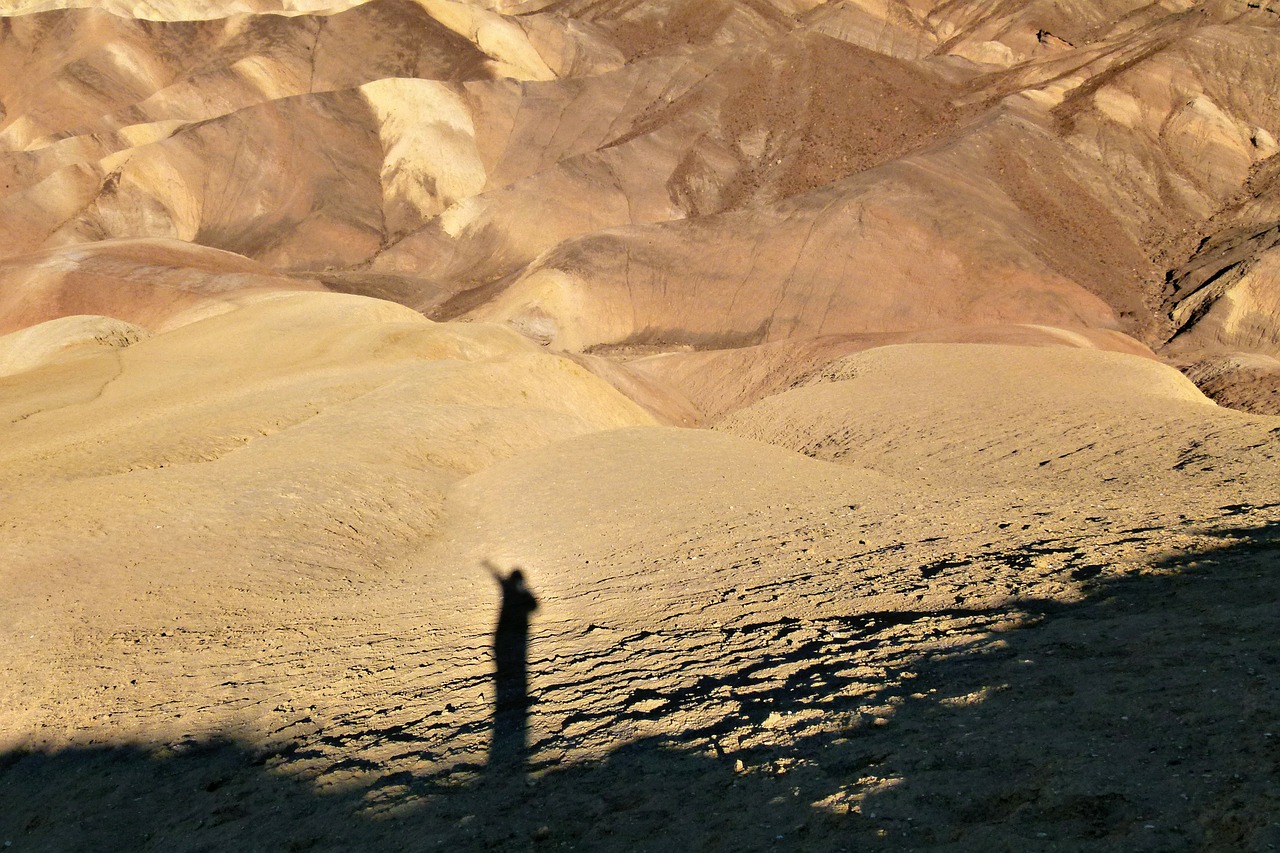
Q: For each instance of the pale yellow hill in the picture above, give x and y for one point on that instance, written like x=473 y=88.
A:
x=272 y=524
x=63 y=339
x=713 y=383
x=983 y=417
x=689 y=579
x=241 y=463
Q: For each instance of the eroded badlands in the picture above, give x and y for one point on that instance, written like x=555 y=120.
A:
x=880 y=399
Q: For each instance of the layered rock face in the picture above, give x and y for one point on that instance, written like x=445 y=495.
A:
x=840 y=374
x=705 y=175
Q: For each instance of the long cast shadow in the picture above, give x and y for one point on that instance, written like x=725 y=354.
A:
x=509 y=747
x=1145 y=717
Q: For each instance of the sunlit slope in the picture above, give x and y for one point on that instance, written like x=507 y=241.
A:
x=154 y=283
x=339 y=178
x=977 y=417
x=947 y=479
x=275 y=520
x=919 y=268
x=298 y=443
x=180 y=10
x=716 y=382
x=678 y=173
x=924 y=421
x=89 y=73
x=893 y=249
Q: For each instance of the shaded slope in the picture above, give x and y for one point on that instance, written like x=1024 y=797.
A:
x=1089 y=767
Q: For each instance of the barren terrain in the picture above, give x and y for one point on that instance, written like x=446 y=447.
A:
x=880 y=397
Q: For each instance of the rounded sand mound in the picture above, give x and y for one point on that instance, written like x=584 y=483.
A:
x=155 y=283
x=66 y=337
x=982 y=416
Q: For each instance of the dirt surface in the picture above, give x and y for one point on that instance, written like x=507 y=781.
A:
x=834 y=373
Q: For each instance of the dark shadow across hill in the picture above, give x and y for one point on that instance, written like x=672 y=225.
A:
x=1146 y=717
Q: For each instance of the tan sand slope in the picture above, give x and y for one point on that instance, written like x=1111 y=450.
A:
x=154 y=283
x=856 y=257
x=957 y=562
x=180 y=11
x=1049 y=418
x=713 y=383
x=316 y=430
x=86 y=72
x=63 y=339
x=320 y=587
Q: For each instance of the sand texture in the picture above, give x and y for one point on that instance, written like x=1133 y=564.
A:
x=880 y=401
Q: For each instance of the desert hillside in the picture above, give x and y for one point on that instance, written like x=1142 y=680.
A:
x=879 y=398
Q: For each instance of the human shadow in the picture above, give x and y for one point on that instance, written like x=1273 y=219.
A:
x=1144 y=716
x=509 y=746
